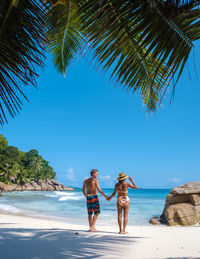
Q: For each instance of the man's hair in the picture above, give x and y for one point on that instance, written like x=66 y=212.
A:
x=93 y=171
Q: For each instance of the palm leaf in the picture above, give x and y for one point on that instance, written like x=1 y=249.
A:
x=114 y=44
x=63 y=32
x=168 y=30
x=21 y=49
x=144 y=43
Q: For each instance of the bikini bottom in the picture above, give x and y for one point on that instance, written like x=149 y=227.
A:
x=123 y=201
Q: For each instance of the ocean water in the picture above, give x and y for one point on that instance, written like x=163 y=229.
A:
x=71 y=206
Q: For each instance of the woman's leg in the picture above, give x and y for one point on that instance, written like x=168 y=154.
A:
x=126 y=209
x=119 y=210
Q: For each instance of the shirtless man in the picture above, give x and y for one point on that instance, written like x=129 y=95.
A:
x=123 y=199
x=91 y=185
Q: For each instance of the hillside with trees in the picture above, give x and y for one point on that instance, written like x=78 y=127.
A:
x=18 y=167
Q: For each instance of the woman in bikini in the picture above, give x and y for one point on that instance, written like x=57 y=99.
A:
x=123 y=199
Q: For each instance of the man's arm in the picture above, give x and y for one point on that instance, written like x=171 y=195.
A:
x=133 y=185
x=99 y=189
x=83 y=189
x=115 y=190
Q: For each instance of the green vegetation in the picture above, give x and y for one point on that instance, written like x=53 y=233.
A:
x=20 y=167
x=143 y=44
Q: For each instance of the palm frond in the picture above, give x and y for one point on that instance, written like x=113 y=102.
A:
x=145 y=43
x=63 y=31
x=21 y=49
x=111 y=34
x=167 y=31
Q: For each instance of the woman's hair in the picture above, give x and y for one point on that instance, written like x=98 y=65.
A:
x=121 y=181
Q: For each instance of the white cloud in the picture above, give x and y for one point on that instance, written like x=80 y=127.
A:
x=70 y=174
x=106 y=181
x=175 y=180
x=105 y=177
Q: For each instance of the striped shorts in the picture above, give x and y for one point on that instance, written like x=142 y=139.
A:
x=93 y=205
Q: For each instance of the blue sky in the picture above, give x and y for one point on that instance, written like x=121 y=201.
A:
x=81 y=121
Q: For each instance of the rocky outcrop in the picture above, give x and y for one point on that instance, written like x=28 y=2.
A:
x=49 y=185
x=182 y=205
x=155 y=221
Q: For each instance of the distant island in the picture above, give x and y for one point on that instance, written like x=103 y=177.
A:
x=21 y=171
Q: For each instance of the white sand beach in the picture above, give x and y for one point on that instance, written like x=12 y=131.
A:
x=24 y=237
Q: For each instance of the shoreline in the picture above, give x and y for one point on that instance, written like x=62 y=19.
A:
x=30 y=237
x=72 y=205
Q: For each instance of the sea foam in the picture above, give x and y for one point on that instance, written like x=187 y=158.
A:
x=9 y=208
x=66 y=198
x=64 y=193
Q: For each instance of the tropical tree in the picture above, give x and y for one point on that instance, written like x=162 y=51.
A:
x=8 y=157
x=3 y=142
x=9 y=174
x=145 y=44
x=20 y=167
x=48 y=173
x=21 y=174
x=29 y=156
x=36 y=166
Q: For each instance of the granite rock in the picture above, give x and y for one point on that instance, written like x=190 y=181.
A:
x=182 y=205
x=188 y=188
x=155 y=221
x=49 y=185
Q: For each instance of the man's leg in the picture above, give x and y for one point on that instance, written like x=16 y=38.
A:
x=92 y=227
x=90 y=220
x=119 y=210
x=126 y=209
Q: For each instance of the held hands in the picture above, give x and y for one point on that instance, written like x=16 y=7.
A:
x=108 y=198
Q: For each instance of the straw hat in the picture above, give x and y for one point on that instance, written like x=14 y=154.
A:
x=122 y=176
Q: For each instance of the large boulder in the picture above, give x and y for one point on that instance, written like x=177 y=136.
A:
x=188 y=188
x=49 y=182
x=2 y=186
x=182 y=205
x=57 y=188
x=28 y=187
x=54 y=182
x=33 y=183
x=37 y=187
x=155 y=221
x=44 y=186
x=10 y=187
x=51 y=188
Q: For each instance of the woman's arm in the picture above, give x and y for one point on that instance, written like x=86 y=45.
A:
x=115 y=190
x=133 y=185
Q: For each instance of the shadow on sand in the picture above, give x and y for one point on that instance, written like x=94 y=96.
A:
x=182 y=258
x=60 y=244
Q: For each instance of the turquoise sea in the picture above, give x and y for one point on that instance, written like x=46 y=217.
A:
x=71 y=206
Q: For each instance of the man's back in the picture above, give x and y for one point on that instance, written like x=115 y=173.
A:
x=91 y=185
